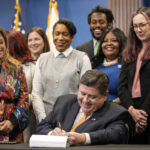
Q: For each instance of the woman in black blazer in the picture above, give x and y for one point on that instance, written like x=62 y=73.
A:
x=134 y=82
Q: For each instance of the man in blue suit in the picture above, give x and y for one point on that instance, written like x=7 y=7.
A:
x=99 y=20
x=104 y=121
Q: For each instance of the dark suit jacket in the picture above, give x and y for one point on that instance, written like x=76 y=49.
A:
x=104 y=126
x=126 y=82
x=87 y=47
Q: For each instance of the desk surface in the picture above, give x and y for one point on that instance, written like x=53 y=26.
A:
x=96 y=147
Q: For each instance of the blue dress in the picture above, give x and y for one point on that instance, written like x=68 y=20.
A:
x=113 y=73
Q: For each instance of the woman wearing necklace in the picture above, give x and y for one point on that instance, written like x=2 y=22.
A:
x=108 y=59
x=134 y=81
x=58 y=72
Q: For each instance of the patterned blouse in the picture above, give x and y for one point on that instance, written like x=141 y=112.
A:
x=13 y=100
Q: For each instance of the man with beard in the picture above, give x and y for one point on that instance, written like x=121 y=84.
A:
x=99 y=20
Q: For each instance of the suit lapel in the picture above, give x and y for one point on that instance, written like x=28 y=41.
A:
x=132 y=69
x=90 y=49
x=101 y=111
x=71 y=115
x=93 y=118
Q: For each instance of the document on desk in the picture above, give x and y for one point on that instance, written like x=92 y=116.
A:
x=48 y=141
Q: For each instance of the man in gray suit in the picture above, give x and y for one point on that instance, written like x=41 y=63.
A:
x=87 y=118
x=99 y=20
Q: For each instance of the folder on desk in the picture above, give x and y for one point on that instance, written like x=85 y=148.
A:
x=48 y=141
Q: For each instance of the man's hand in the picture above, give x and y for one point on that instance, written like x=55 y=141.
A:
x=58 y=132
x=75 y=138
x=6 y=126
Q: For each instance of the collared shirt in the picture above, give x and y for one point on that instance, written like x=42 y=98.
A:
x=78 y=117
x=95 y=41
x=80 y=63
x=96 y=46
x=66 y=52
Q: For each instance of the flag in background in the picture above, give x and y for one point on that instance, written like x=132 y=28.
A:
x=53 y=17
x=17 y=22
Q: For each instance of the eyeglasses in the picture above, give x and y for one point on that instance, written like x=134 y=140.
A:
x=141 y=26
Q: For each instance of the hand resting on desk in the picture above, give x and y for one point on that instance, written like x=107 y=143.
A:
x=74 y=138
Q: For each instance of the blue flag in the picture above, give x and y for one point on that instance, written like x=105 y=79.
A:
x=17 y=21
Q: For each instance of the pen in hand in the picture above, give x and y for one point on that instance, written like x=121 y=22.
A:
x=60 y=131
x=59 y=125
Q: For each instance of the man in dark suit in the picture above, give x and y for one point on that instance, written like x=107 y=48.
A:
x=104 y=121
x=99 y=20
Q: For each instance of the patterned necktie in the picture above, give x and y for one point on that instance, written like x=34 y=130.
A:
x=83 y=119
x=96 y=47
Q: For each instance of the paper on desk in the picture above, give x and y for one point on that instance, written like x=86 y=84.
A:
x=48 y=141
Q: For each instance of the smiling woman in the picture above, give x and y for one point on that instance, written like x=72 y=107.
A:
x=108 y=58
x=58 y=72
x=62 y=37
x=13 y=95
x=37 y=42
x=134 y=87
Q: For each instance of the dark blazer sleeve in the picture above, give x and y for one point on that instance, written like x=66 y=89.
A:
x=126 y=82
x=146 y=105
x=145 y=85
x=114 y=130
x=115 y=133
x=47 y=124
x=105 y=126
x=64 y=111
x=124 y=87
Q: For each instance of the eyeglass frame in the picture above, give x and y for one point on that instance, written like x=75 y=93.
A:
x=140 y=26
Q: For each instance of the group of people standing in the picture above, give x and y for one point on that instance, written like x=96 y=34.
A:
x=18 y=60
x=46 y=75
x=33 y=77
x=125 y=61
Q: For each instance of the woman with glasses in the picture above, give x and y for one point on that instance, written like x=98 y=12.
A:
x=134 y=84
